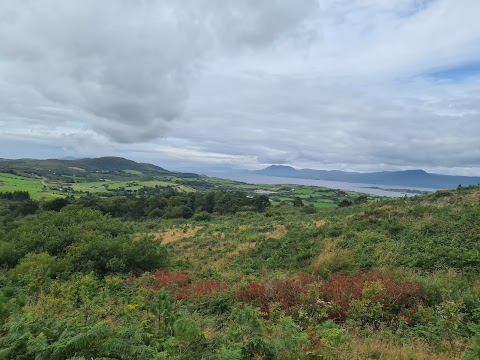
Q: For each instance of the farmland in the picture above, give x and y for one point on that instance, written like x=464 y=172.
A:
x=78 y=186
x=10 y=183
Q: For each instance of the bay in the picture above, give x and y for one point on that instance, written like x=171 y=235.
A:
x=392 y=191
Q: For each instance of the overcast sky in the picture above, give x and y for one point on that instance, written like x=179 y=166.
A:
x=359 y=85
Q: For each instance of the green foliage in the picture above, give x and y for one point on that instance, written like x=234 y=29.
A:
x=247 y=330
x=450 y=319
x=15 y=195
x=55 y=204
x=475 y=348
x=11 y=300
x=345 y=203
x=297 y=202
x=331 y=335
x=202 y=216
x=81 y=240
x=291 y=340
x=47 y=264
x=229 y=354
x=260 y=203
x=367 y=309
x=310 y=209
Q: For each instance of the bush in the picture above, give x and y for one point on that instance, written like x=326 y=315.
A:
x=310 y=209
x=365 y=297
x=367 y=309
x=286 y=292
x=56 y=204
x=50 y=265
x=170 y=281
x=395 y=297
x=475 y=348
x=202 y=216
x=85 y=239
x=200 y=289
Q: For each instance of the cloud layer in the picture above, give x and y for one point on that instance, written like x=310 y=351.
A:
x=361 y=85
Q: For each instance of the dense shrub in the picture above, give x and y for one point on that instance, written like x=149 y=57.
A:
x=85 y=239
x=181 y=287
x=55 y=204
x=15 y=195
x=200 y=289
x=394 y=296
x=286 y=292
x=202 y=216
x=49 y=265
x=170 y=281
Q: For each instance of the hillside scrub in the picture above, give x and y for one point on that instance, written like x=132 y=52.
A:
x=82 y=240
x=390 y=279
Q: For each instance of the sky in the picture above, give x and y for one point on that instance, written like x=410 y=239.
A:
x=358 y=85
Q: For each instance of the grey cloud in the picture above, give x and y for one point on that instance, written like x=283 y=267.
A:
x=322 y=124
x=126 y=66
x=322 y=84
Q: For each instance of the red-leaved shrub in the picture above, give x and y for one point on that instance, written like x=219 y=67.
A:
x=286 y=292
x=170 y=281
x=200 y=289
x=180 y=285
x=397 y=296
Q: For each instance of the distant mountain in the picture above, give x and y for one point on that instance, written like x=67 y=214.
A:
x=108 y=167
x=68 y=158
x=111 y=163
x=414 y=178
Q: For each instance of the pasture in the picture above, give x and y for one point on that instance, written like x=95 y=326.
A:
x=10 y=183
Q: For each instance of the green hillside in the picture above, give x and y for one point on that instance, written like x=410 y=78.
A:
x=136 y=277
x=79 y=170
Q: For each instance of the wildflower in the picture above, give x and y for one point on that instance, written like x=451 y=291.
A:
x=132 y=307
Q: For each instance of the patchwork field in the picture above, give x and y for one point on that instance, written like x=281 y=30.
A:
x=105 y=186
x=317 y=197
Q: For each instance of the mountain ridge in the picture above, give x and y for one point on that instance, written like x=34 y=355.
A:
x=101 y=167
x=414 y=177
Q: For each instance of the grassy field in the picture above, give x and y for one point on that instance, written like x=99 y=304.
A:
x=9 y=182
x=133 y=172
x=103 y=186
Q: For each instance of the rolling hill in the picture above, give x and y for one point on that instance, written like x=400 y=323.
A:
x=107 y=167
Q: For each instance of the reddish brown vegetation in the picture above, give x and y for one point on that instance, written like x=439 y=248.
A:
x=170 y=281
x=181 y=287
x=286 y=292
x=397 y=297
x=200 y=289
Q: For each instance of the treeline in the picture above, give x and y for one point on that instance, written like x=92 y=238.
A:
x=15 y=195
x=170 y=205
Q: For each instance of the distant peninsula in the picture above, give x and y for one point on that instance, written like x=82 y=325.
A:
x=414 y=178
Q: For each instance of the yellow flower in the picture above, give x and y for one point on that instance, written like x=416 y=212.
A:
x=132 y=306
